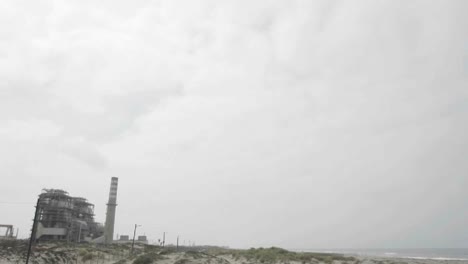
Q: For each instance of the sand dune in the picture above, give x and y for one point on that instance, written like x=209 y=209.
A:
x=15 y=251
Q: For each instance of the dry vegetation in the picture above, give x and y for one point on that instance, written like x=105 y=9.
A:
x=15 y=252
x=279 y=255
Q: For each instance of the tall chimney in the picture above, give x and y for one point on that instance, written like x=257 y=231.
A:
x=110 y=215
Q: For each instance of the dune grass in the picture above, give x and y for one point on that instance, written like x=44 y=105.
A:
x=279 y=255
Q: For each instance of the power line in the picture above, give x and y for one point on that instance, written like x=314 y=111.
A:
x=4 y=202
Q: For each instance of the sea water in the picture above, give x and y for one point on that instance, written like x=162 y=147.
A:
x=421 y=253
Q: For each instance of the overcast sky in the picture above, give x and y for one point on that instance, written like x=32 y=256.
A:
x=299 y=124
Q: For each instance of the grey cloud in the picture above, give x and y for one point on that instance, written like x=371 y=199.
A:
x=343 y=121
x=84 y=152
x=119 y=114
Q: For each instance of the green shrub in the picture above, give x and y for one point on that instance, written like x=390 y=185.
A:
x=147 y=258
x=182 y=261
x=82 y=252
x=87 y=256
x=143 y=259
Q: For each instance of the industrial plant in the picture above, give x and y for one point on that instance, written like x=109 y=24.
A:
x=6 y=232
x=125 y=239
x=63 y=217
x=110 y=215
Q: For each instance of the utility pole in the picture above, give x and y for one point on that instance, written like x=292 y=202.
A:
x=33 y=231
x=134 y=232
x=164 y=238
x=177 y=243
x=79 y=234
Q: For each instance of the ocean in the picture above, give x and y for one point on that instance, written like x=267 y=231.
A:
x=420 y=253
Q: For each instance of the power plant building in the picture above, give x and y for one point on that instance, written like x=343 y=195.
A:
x=63 y=217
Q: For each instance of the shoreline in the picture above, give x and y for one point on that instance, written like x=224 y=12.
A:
x=409 y=260
x=402 y=254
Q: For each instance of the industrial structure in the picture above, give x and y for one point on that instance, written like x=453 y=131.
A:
x=63 y=217
x=110 y=215
x=8 y=234
x=125 y=239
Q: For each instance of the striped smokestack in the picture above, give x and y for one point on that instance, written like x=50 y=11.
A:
x=110 y=215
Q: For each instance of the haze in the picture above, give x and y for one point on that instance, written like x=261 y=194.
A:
x=299 y=124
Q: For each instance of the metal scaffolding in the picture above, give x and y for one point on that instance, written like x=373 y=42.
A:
x=62 y=217
x=8 y=234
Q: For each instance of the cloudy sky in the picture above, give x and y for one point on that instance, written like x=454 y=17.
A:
x=300 y=124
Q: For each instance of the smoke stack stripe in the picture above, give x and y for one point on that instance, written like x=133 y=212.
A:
x=110 y=215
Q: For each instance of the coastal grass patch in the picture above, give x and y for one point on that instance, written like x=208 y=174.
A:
x=279 y=255
x=182 y=261
x=148 y=258
x=195 y=254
